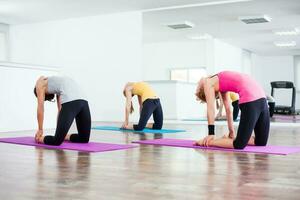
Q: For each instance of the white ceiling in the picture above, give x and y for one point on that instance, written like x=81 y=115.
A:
x=28 y=11
x=217 y=20
x=221 y=21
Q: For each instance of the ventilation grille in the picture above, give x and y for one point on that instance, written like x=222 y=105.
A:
x=255 y=19
x=181 y=25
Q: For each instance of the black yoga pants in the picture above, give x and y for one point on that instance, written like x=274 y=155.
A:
x=78 y=110
x=236 y=109
x=254 y=116
x=150 y=106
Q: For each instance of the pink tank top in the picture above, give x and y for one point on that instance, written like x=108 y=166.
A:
x=247 y=88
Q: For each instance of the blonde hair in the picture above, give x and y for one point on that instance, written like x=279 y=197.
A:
x=200 y=94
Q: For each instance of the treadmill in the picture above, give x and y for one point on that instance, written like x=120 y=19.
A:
x=279 y=109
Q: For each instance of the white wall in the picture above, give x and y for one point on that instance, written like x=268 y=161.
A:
x=227 y=57
x=159 y=58
x=215 y=55
x=247 y=62
x=274 y=68
x=18 y=103
x=101 y=52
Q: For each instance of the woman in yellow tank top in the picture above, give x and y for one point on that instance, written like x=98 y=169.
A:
x=234 y=97
x=149 y=104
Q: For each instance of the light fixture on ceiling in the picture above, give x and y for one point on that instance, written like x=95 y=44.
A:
x=255 y=19
x=212 y=3
x=287 y=32
x=181 y=25
x=204 y=36
x=285 y=44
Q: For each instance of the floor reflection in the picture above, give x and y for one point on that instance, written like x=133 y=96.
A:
x=65 y=175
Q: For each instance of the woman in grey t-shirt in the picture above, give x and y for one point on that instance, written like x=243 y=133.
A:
x=71 y=105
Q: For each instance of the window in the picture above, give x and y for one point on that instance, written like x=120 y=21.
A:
x=179 y=74
x=191 y=75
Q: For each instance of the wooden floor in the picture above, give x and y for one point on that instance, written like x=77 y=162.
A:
x=150 y=172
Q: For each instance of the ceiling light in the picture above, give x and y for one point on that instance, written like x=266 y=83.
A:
x=181 y=25
x=255 y=19
x=287 y=32
x=200 y=37
x=196 y=5
x=285 y=44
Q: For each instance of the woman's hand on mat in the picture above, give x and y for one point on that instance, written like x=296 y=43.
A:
x=125 y=125
x=39 y=138
x=231 y=134
x=38 y=134
x=207 y=140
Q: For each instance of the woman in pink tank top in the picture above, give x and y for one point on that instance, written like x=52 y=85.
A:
x=252 y=103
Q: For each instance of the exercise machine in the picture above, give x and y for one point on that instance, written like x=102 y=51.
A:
x=280 y=109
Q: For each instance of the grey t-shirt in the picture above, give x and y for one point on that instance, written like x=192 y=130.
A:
x=65 y=87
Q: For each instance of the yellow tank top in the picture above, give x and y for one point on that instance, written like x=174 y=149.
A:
x=143 y=90
x=233 y=96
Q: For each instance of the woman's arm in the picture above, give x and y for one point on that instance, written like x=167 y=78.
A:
x=58 y=100
x=209 y=91
x=40 y=90
x=128 y=95
x=210 y=99
x=226 y=102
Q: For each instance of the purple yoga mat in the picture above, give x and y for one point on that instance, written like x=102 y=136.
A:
x=278 y=150
x=88 y=147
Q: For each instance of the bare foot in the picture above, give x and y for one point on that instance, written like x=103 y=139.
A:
x=67 y=138
x=251 y=141
x=198 y=143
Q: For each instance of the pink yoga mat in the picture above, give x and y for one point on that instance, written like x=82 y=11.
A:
x=278 y=150
x=88 y=147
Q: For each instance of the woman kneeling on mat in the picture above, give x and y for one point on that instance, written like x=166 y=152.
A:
x=71 y=105
x=149 y=104
x=252 y=103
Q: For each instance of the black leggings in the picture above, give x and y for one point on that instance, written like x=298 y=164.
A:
x=150 y=106
x=79 y=110
x=254 y=116
x=271 y=108
x=236 y=109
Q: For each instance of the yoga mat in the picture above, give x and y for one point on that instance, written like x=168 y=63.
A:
x=205 y=119
x=286 y=118
x=146 y=130
x=87 y=147
x=278 y=150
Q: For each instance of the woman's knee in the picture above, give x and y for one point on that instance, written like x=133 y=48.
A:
x=80 y=139
x=157 y=126
x=239 y=144
x=138 y=127
x=260 y=142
